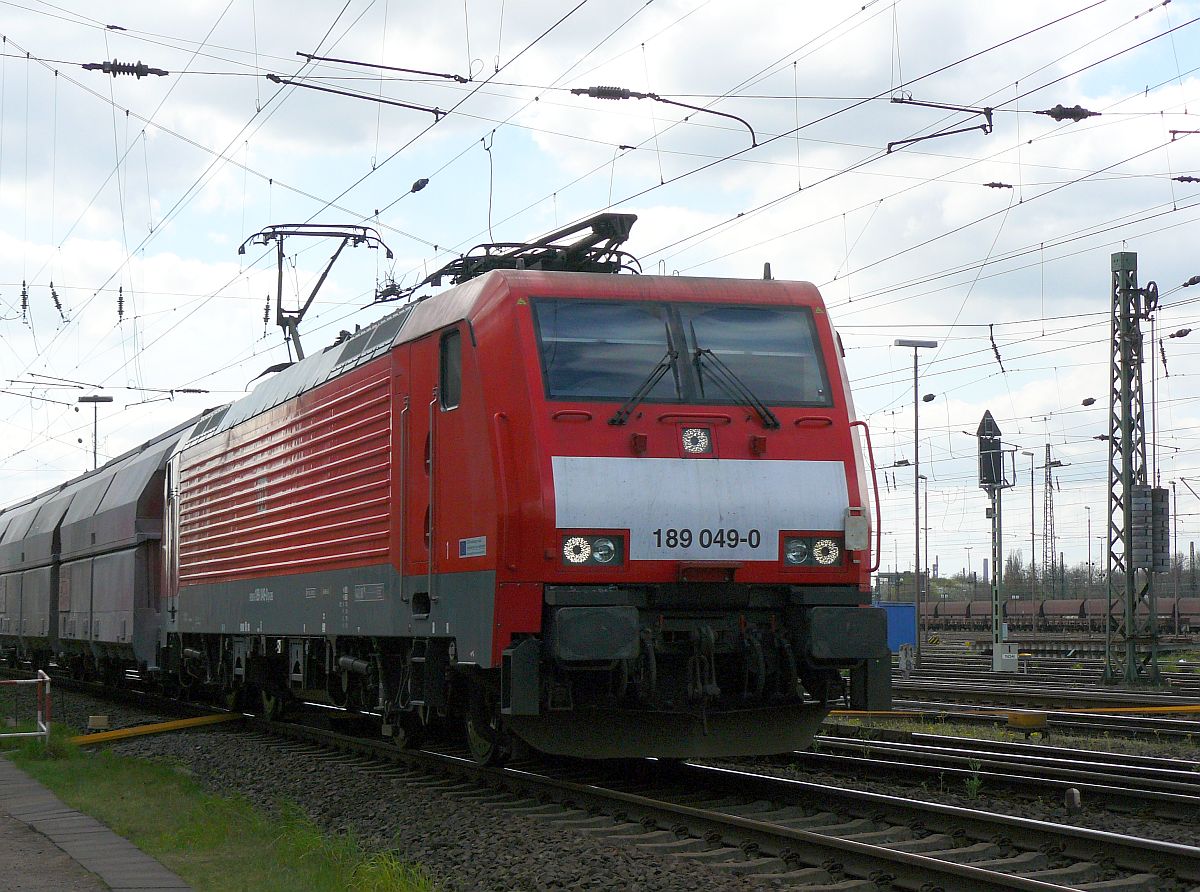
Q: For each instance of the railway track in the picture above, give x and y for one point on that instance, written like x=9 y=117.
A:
x=1035 y=672
x=786 y=833
x=1005 y=693
x=1184 y=684
x=1084 y=724
x=794 y=833
x=1110 y=781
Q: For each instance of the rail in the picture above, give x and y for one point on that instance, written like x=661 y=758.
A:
x=42 y=683
x=760 y=824
x=875 y=495
x=753 y=823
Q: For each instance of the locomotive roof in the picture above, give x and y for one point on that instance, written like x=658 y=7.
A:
x=408 y=323
x=419 y=318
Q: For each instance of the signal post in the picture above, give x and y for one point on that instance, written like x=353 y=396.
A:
x=994 y=479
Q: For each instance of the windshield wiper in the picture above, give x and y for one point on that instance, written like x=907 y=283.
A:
x=733 y=385
x=648 y=384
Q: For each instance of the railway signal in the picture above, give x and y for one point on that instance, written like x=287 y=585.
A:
x=994 y=479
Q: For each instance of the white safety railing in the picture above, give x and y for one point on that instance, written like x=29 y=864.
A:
x=42 y=682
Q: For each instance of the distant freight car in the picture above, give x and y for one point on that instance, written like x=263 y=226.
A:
x=1055 y=615
x=608 y=515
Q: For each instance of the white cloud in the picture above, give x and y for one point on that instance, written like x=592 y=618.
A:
x=880 y=239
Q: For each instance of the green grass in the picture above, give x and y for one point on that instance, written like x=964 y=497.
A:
x=217 y=844
x=1179 y=661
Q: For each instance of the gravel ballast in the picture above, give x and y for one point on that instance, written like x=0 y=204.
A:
x=469 y=846
x=466 y=846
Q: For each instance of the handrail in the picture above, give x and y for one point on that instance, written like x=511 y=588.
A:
x=432 y=494
x=875 y=497
x=402 y=495
x=814 y=421
x=42 y=680
x=571 y=415
x=715 y=417
x=503 y=547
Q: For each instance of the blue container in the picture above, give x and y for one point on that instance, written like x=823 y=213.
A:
x=901 y=623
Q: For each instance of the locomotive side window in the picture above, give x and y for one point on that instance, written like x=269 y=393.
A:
x=593 y=349
x=772 y=350
x=450 y=376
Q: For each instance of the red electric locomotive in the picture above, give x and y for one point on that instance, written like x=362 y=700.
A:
x=608 y=515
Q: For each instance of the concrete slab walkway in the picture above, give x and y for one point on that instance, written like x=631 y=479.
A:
x=27 y=864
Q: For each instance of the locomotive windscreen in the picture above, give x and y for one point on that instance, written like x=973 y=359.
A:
x=604 y=350
x=594 y=349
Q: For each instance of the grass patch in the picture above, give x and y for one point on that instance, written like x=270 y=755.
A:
x=1179 y=661
x=217 y=844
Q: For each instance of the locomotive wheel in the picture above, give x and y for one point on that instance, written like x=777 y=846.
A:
x=754 y=668
x=271 y=702
x=337 y=686
x=485 y=739
x=645 y=673
x=408 y=729
x=183 y=688
x=233 y=698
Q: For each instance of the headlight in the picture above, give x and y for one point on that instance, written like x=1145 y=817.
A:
x=812 y=551
x=577 y=550
x=826 y=552
x=585 y=551
x=604 y=550
x=697 y=440
x=795 y=551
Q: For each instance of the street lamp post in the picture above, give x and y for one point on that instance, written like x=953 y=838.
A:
x=1175 y=567
x=95 y=401
x=925 y=577
x=916 y=345
x=1088 y=509
x=1032 y=532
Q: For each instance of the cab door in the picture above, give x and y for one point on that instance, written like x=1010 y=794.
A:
x=448 y=482
x=421 y=468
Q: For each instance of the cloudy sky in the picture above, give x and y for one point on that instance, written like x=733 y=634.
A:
x=132 y=195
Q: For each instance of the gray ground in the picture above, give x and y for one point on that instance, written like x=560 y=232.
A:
x=31 y=863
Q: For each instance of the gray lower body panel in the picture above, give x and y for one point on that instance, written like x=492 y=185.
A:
x=366 y=601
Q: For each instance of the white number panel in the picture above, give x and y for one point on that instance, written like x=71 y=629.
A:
x=699 y=510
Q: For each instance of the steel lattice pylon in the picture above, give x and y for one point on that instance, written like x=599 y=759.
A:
x=1131 y=629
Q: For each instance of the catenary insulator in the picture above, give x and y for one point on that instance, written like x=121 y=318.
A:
x=138 y=69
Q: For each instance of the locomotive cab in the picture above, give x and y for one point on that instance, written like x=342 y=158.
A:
x=700 y=502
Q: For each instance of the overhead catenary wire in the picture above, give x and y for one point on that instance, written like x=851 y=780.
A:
x=191 y=191
x=990 y=268
x=743 y=215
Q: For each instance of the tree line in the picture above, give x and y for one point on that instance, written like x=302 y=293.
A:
x=1025 y=582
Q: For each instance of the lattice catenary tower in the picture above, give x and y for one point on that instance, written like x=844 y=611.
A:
x=1138 y=544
